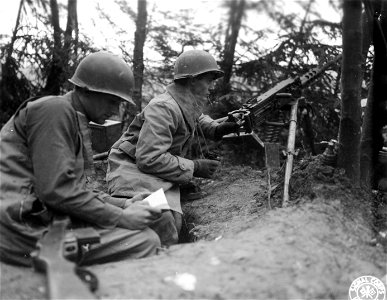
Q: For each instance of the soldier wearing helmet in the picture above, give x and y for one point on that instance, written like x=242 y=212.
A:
x=45 y=162
x=153 y=152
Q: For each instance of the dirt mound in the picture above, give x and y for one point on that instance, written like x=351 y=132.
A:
x=239 y=195
x=237 y=247
x=312 y=249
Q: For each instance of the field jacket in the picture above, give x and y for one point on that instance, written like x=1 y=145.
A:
x=44 y=153
x=152 y=153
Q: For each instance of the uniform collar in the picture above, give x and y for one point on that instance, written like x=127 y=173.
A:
x=76 y=102
x=187 y=103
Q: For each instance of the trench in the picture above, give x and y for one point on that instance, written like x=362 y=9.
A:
x=98 y=182
x=187 y=235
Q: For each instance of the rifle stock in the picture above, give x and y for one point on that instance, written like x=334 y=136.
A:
x=62 y=281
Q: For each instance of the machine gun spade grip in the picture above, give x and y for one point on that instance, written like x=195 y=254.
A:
x=242 y=118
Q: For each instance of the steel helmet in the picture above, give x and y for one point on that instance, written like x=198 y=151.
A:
x=105 y=72
x=195 y=62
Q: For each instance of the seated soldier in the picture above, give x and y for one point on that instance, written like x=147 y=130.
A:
x=152 y=153
x=45 y=159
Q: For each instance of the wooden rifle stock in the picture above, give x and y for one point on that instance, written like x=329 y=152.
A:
x=62 y=281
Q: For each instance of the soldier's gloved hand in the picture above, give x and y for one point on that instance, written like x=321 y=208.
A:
x=226 y=128
x=205 y=167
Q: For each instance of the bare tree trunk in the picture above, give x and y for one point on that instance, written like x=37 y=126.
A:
x=367 y=159
x=376 y=111
x=237 y=8
x=5 y=68
x=13 y=39
x=138 y=63
x=350 y=122
x=138 y=53
x=61 y=53
x=53 y=79
x=72 y=26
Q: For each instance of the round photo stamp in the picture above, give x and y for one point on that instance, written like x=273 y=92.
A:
x=367 y=288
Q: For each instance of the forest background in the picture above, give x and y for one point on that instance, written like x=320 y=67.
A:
x=257 y=43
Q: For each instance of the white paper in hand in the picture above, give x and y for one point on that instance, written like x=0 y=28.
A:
x=158 y=200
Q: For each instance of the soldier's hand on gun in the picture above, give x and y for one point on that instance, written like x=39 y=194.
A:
x=205 y=167
x=226 y=128
x=138 y=216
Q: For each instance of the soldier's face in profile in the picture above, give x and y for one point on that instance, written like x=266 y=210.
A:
x=99 y=107
x=201 y=87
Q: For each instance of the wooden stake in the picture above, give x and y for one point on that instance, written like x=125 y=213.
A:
x=290 y=151
x=272 y=162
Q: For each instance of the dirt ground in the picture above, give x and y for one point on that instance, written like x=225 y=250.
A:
x=237 y=245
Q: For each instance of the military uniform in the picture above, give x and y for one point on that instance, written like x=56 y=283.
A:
x=152 y=153
x=45 y=155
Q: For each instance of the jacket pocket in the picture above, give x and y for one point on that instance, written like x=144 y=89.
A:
x=128 y=148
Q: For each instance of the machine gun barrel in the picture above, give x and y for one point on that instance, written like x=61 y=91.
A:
x=266 y=102
x=257 y=109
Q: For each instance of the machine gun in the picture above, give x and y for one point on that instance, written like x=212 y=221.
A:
x=50 y=257
x=256 y=110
